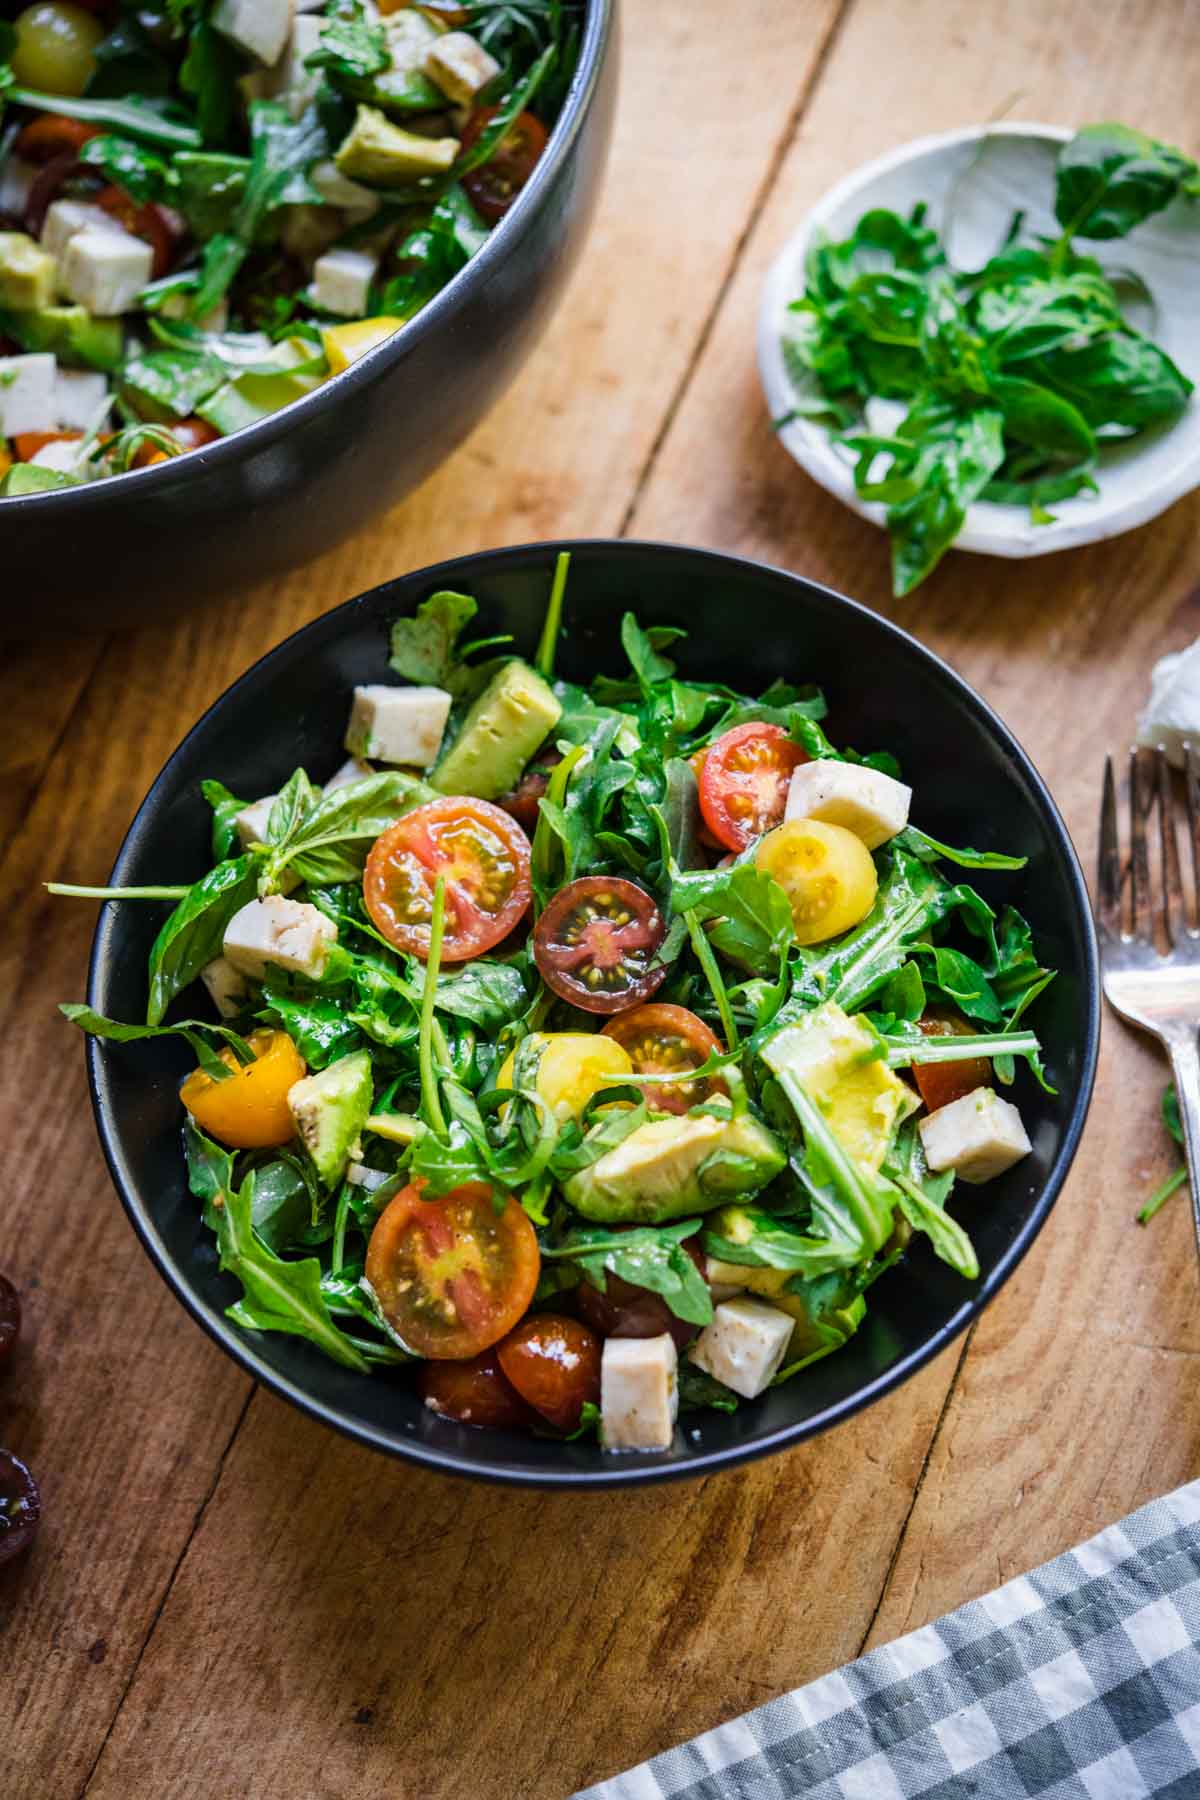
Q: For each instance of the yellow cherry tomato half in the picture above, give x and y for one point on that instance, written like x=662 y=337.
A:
x=250 y=1110
x=344 y=344
x=55 y=50
x=574 y=1066
x=825 y=871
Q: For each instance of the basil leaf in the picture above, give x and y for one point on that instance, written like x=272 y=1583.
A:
x=1110 y=178
x=650 y=1256
x=423 y=648
x=193 y=935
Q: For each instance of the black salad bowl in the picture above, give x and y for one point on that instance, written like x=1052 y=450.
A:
x=747 y=624
x=275 y=495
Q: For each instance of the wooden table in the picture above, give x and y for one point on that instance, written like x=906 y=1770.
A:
x=229 y=1600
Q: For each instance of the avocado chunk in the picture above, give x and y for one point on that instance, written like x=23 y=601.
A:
x=385 y=155
x=675 y=1166
x=837 y=1060
x=248 y=398
x=827 y=1310
x=26 y=272
x=27 y=478
x=329 y=1111
x=403 y=87
x=68 y=332
x=502 y=729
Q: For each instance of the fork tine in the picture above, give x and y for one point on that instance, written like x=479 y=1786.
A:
x=1174 y=911
x=1191 y=792
x=1141 y=800
x=1109 y=873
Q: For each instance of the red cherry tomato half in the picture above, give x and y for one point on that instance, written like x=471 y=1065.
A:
x=668 y=1040
x=554 y=1364
x=146 y=222
x=626 y=1310
x=522 y=801
x=51 y=135
x=452 y=1275
x=475 y=1393
x=595 y=944
x=494 y=186
x=483 y=855
x=10 y=1318
x=20 y=1507
x=941 y=1083
x=744 y=782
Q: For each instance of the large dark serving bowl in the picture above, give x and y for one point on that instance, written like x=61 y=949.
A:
x=280 y=492
x=748 y=624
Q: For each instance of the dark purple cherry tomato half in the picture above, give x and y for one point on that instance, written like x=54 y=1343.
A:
x=20 y=1507
x=625 y=1310
x=596 y=941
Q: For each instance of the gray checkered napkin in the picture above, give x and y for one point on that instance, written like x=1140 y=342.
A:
x=1080 y=1681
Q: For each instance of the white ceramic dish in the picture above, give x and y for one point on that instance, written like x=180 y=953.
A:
x=978 y=178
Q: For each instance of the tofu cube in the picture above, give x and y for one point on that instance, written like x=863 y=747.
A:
x=978 y=1136
x=226 y=986
x=259 y=27
x=80 y=398
x=66 y=457
x=65 y=219
x=870 y=804
x=342 y=282
x=28 y=394
x=353 y=769
x=251 y=823
x=105 y=270
x=639 y=1393
x=358 y=1175
x=398 y=724
x=460 y=66
x=744 y=1346
x=288 y=934
x=338 y=190
x=297 y=85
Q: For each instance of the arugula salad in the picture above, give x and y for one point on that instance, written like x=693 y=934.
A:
x=210 y=207
x=591 y=1049
x=946 y=385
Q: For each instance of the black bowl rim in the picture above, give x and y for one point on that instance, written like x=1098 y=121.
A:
x=501 y=244
x=458 y=572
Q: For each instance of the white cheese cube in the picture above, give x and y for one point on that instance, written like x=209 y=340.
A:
x=251 y=823
x=28 y=394
x=226 y=986
x=398 y=724
x=358 y=1175
x=259 y=27
x=978 y=1136
x=744 y=1346
x=1171 y=716
x=357 y=201
x=297 y=85
x=65 y=219
x=288 y=933
x=105 y=270
x=353 y=769
x=342 y=282
x=67 y=457
x=460 y=66
x=871 y=805
x=80 y=398
x=639 y=1393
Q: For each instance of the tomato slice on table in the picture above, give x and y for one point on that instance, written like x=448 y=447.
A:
x=668 y=1040
x=595 y=944
x=744 y=782
x=475 y=1393
x=941 y=1083
x=483 y=855
x=554 y=1364
x=452 y=1275
x=494 y=186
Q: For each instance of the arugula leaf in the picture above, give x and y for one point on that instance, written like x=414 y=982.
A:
x=226 y=807
x=424 y=647
x=193 y=935
x=191 y=1030
x=518 y=100
x=1110 y=178
x=922 y=1200
x=1178 y=1179
x=489 y=994
x=651 y=1256
x=320 y=1028
x=699 y=1391
x=351 y=45
x=138 y=170
x=920 y=844
x=129 y=117
x=209 y=73
x=753 y=918
x=773 y=1243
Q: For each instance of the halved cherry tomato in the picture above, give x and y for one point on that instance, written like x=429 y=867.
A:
x=744 y=782
x=28 y=443
x=522 y=801
x=51 y=135
x=697 y=760
x=191 y=434
x=554 y=1364
x=595 y=943
x=10 y=1318
x=249 y=1111
x=452 y=1275
x=484 y=856
x=20 y=1507
x=496 y=183
x=572 y=1067
x=940 y=1083
x=475 y=1393
x=626 y=1310
x=146 y=222
x=665 y=1040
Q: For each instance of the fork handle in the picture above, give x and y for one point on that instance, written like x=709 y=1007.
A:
x=1183 y=1046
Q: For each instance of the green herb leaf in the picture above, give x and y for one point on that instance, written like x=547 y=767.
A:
x=652 y=1256
x=1110 y=178
x=192 y=936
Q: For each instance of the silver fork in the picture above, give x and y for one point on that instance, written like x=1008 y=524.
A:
x=1159 y=990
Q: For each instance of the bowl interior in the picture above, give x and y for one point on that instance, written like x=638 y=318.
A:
x=747 y=624
x=973 y=182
